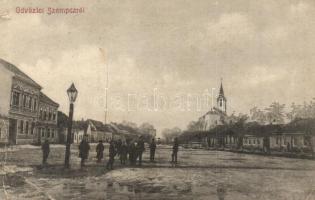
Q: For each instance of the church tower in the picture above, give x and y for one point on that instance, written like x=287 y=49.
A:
x=221 y=100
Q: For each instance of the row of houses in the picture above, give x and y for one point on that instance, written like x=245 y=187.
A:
x=280 y=142
x=27 y=115
x=95 y=131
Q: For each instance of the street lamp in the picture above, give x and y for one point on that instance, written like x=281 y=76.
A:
x=72 y=94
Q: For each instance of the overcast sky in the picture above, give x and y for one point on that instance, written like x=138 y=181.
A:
x=263 y=50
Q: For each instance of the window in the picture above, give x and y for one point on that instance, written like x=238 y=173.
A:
x=250 y=141
x=35 y=104
x=53 y=133
x=21 y=126
x=277 y=140
x=26 y=127
x=15 y=98
x=32 y=128
x=24 y=100
x=30 y=103
x=48 y=132
x=41 y=113
x=44 y=117
x=43 y=132
x=50 y=116
x=54 y=116
x=258 y=141
x=254 y=141
x=294 y=141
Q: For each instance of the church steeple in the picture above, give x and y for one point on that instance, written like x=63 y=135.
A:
x=221 y=100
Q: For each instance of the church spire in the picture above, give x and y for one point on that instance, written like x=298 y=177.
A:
x=221 y=100
x=221 y=89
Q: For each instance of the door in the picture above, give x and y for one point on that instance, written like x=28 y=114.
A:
x=12 y=131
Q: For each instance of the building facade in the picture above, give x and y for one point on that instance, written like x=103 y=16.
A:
x=19 y=103
x=47 y=120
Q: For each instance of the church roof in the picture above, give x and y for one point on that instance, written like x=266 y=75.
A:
x=215 y=111
x=18 y=73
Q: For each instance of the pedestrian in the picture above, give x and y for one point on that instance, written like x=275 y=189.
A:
x=140 y=149
x=112 y=154
x=175 y=150
x=84 y=149
x=46 y=150
x=99 y=151
x=132 y=153
x=123 y=153
x=152 y=150
x=118 y=146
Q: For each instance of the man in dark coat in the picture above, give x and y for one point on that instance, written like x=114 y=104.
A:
x=152 y=150
x=132 y=153
x=112 y=154
x=140 y=149
x=84 y=149
x=123 y=153
x=175 y=150
x=99 y=151
x=46 y=150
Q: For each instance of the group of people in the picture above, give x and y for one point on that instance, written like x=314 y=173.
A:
x=132 y=150
x=124 y=150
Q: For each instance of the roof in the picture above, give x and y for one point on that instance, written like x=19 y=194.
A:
x=46 y=99
x=18 y=73
x=99 y=126
x=215 y=111
x=81 y=125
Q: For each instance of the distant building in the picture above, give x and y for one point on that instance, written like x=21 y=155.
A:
x=96 y=131
x=217 y=115
x=19 y=105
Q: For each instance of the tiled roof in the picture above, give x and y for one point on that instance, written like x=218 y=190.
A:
x=18 y=73
x=81 y=125
x=46 y=99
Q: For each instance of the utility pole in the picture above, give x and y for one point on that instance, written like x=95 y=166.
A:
x=106 y=87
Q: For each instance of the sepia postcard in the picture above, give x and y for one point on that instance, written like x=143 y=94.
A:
x=157 y=100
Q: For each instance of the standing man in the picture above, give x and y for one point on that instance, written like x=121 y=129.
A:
x=140 y=149
x=152 y=150
x=46 y=150
x=132 y=153
x=99 y=151
x=123 y=153
x=175 y=150
x=84 y=149
x=112 y=153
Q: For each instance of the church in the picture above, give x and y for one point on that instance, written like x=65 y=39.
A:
x=217 y=115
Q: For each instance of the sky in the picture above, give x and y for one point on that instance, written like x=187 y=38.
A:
x=166 y=57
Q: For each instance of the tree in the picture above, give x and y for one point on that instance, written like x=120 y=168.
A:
x=275 y=113
x=129 y=124
x=170 y=134
x=194 y=126
x=148 y=131
x=62 y=124
x=257 y=115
